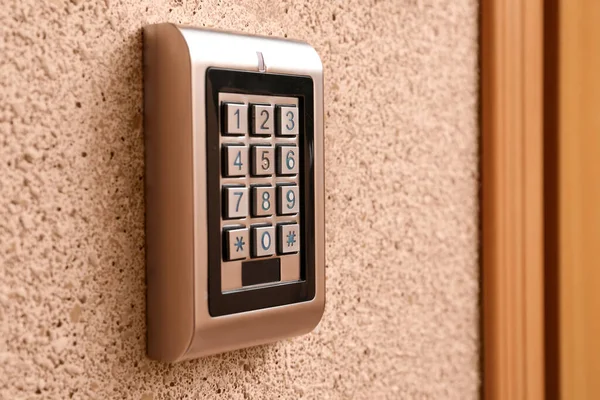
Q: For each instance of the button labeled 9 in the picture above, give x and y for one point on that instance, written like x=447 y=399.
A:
x=288 y=199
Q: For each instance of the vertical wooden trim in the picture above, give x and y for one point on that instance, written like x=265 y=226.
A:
x=579 y=198
x=512 y=202
x=551 y=227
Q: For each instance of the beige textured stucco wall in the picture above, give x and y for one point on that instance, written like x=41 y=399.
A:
x=401 y=319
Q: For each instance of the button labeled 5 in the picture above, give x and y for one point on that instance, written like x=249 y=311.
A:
x=287 y=160
x=263 y=162
x=235 y=160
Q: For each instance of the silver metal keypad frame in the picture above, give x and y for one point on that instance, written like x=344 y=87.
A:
x=231 y=271
x=181 y=322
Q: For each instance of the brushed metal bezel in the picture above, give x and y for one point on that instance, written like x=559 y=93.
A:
x=199 y=333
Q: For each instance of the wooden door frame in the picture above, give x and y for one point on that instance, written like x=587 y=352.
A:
x=512 y=251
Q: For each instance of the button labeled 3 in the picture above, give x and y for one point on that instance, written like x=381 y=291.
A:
x=236 y=243
x=288 y=120
x=263 y=241
x=287 y=160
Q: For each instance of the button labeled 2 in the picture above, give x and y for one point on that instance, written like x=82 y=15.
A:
x=263 y=120
x=287 y=160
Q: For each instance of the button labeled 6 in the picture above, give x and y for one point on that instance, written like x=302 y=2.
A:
x=287 y=160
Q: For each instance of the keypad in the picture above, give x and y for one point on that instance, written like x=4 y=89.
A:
x=260 y=179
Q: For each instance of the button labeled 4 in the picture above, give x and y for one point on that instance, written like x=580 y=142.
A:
x=236 y=160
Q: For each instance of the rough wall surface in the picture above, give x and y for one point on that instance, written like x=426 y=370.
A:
x=401 y=319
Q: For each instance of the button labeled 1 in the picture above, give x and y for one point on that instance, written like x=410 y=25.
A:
x=263 y=160
x=236 y=202
x=288 y=120
x=287 y=199
x=263 y=241
x=236 y=120
x=287 y=160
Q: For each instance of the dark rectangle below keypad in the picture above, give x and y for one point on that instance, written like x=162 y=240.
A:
x=261 y=271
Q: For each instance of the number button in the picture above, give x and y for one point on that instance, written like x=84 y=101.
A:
x=235 y=160
x=288 y=201
x=263 y=162
x=236 y=243
x=263 y=241
x=235 y=202
x=287 y=160
x=288 y=120
x=236 y=119
x=263 y=120
x=289 y=238
x=263 y=201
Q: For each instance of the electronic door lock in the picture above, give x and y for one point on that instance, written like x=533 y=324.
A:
x=235 y=219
